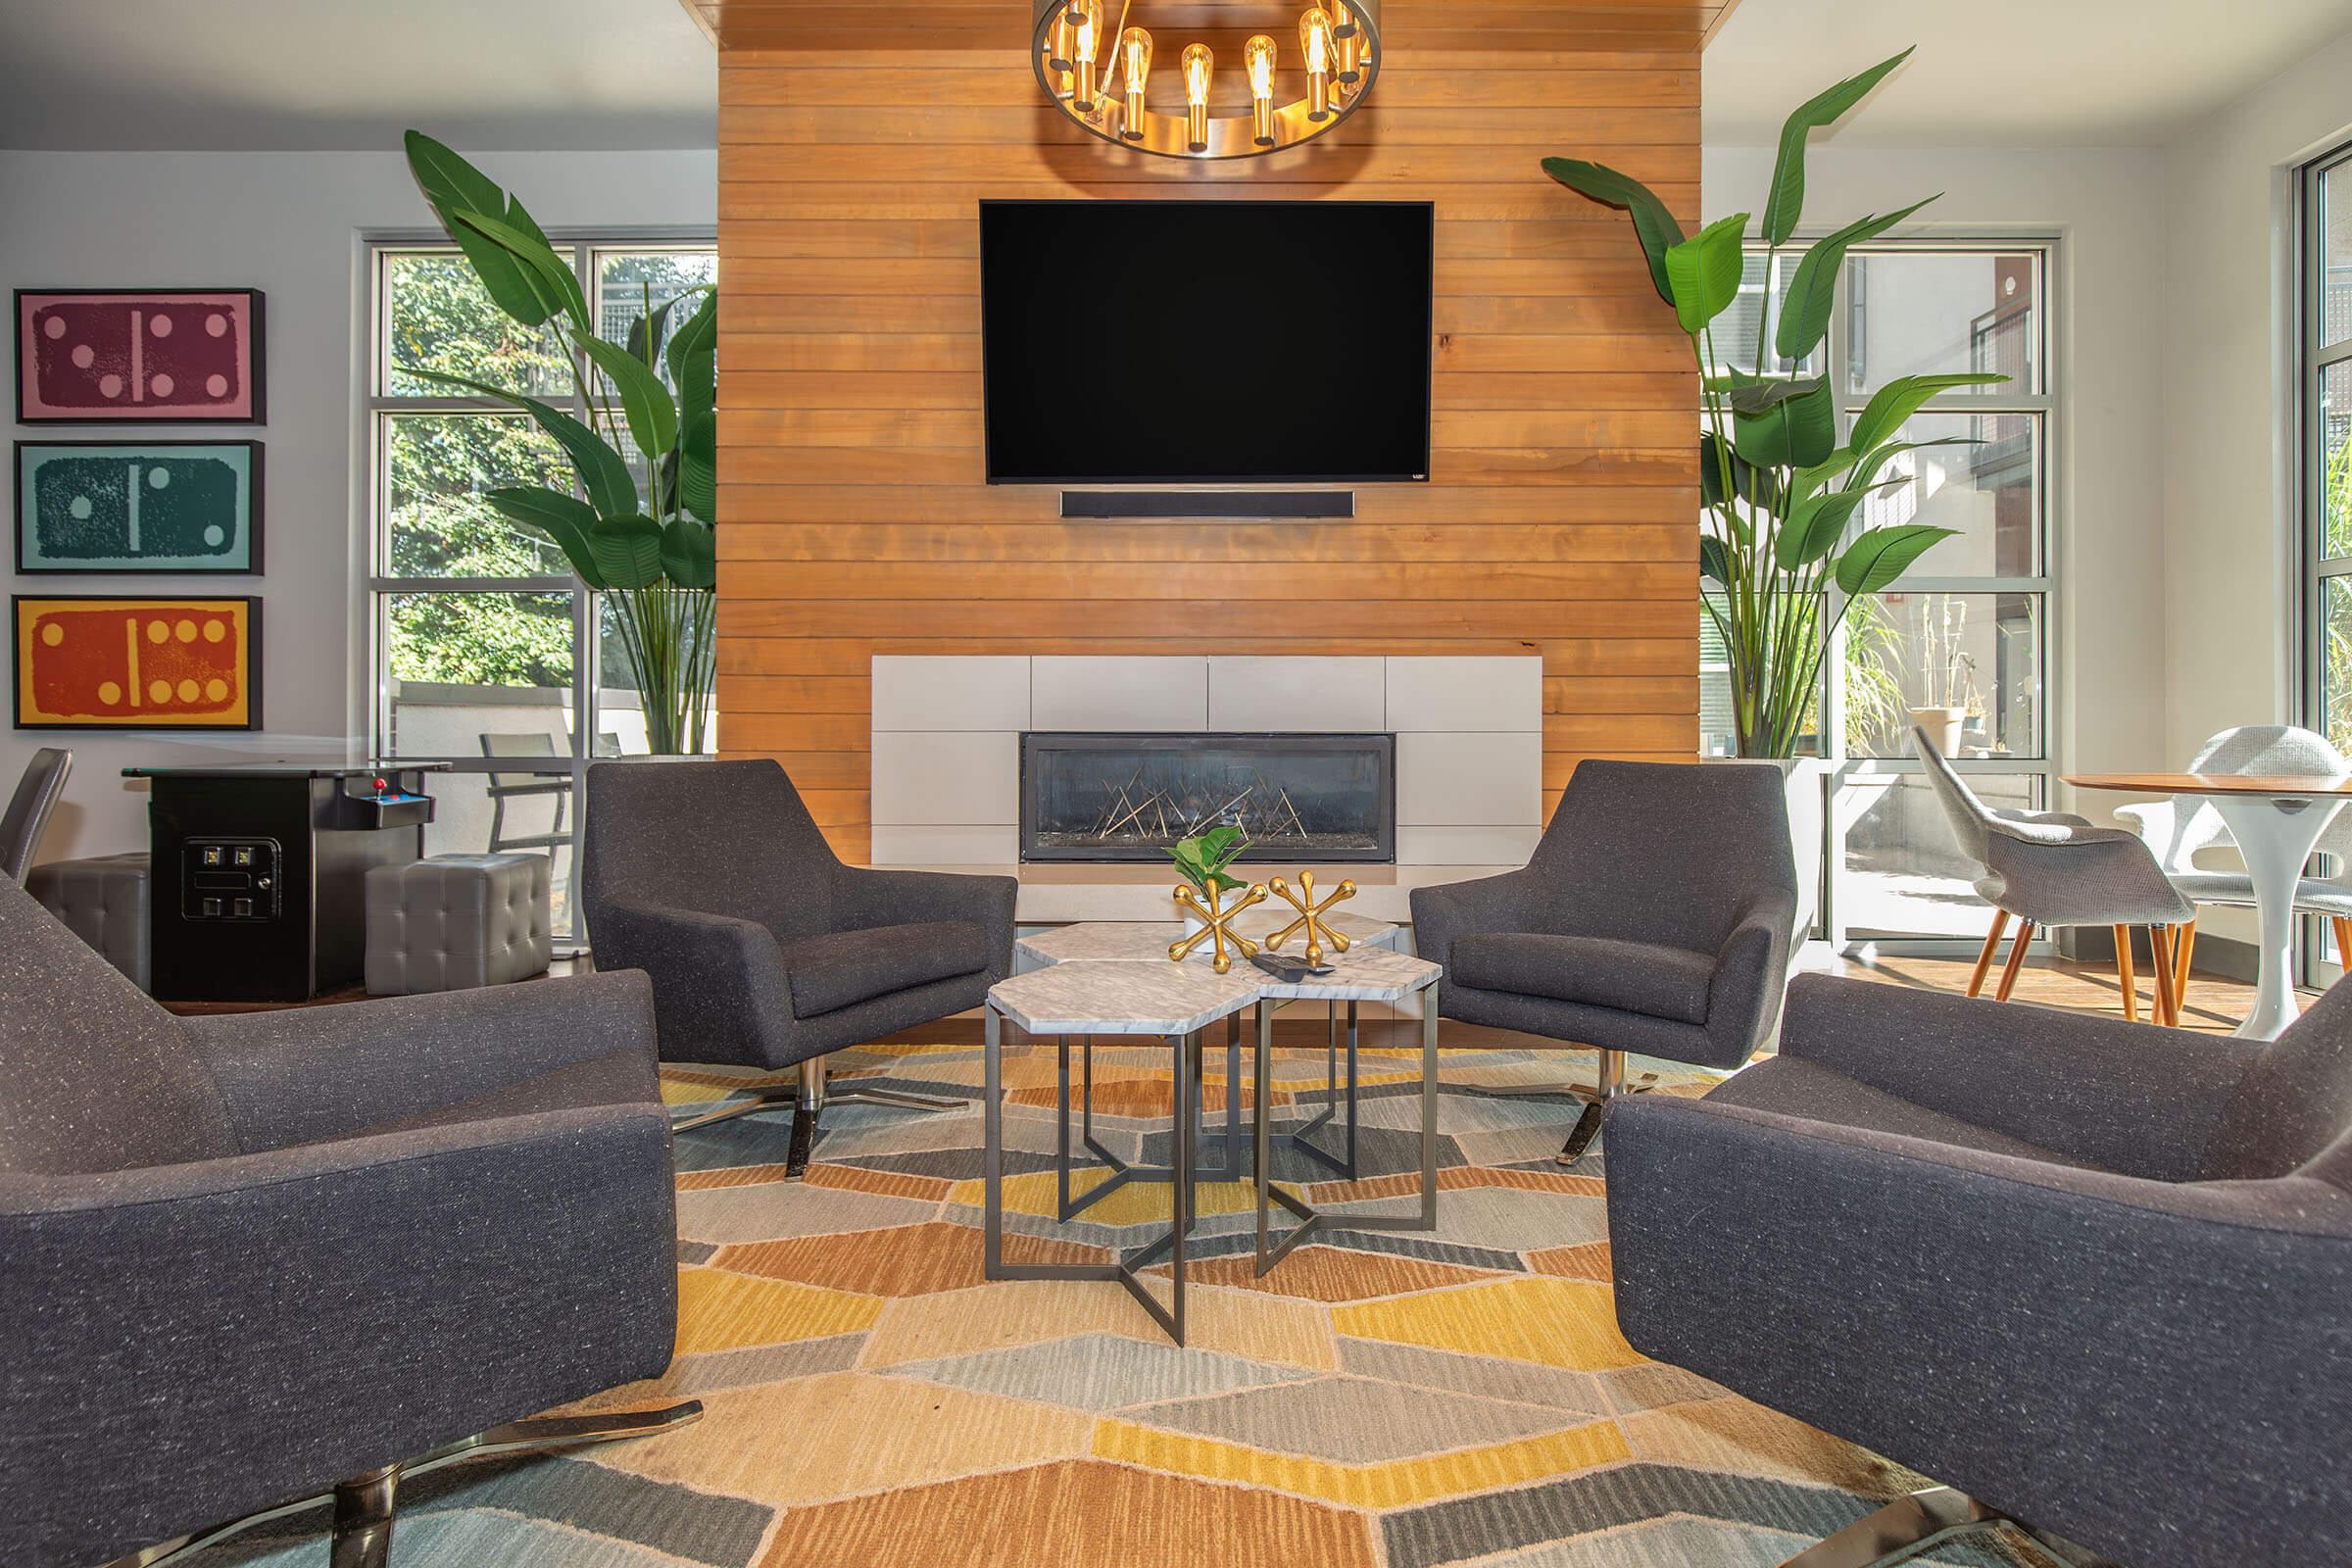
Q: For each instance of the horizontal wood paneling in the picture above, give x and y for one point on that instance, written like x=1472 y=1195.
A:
x=854 y=145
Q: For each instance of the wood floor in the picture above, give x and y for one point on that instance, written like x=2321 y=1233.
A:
x=2214 y=1005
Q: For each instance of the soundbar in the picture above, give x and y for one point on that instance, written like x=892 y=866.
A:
x=1161 y=503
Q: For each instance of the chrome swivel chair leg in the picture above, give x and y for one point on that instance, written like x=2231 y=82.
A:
x=807 y=1097
x=362 y=1527
x=1596 y=1109
x=1911 y=1525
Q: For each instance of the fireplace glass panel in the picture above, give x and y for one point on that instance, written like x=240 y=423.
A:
x=1128 y=797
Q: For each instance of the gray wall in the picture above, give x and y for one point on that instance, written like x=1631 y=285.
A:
x=291 y=225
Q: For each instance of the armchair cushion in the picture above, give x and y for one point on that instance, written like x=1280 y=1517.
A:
x=846 y=968
x=1788 y=1085
x=1630 y=976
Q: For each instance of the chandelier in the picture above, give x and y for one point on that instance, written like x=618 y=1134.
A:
x=1097 y=69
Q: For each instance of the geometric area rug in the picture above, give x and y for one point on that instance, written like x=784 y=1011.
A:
x=1380 y=1399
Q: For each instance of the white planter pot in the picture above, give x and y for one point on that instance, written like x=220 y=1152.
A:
x=1807 y=781
x=1943 y=726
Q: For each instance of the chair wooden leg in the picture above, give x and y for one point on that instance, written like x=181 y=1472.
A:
x=2017 y=960
x=2186 y=946
x=2122 y=972
x=2343 y=941
x=1993 y=944
x=2160 y=941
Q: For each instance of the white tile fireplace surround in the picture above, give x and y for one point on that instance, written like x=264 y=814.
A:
x=947 y=743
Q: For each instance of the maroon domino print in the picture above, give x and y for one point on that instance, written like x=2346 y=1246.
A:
x=131 y=356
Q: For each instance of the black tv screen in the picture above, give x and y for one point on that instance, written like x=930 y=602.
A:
x=1206 y=342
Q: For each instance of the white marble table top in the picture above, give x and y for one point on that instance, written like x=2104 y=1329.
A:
x=1115 y=977
x=1148 y=941
x=1122 y=998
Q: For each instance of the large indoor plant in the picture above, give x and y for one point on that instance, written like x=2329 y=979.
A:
x=1778 y=487
x=643 y=538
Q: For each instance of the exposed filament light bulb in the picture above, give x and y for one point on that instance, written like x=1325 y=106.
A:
x=1258 y=55
x=1200 y=64
x=1086 y=41
x=1314 y=40
x=1351 y=39
x=1135 y=65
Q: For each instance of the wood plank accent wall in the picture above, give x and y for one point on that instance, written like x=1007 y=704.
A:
x=1561 y=512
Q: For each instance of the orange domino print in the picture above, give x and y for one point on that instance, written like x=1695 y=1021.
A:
x=146 y=663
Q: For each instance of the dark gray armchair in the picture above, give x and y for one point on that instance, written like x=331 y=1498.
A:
x=1654 y=918
x=245 y=1259
x=39 y=790
x=2092 y=1275
x=765 y=949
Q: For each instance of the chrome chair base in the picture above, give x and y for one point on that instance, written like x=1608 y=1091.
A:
x=1909 y=1526
x=360 y=1535
x=808 y=1100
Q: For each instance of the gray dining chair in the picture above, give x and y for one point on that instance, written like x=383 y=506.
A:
x=38 y=791
x=2179 y=829
x=2048 y=869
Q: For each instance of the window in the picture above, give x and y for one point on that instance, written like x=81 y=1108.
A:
x=485 y=645
x=2327 y=457
x=1963 y=645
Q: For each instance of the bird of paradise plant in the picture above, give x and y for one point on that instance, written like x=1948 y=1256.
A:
x=1778 y=487
x=651 y=553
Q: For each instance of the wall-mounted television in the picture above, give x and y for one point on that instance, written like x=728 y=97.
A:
x=1206 y=342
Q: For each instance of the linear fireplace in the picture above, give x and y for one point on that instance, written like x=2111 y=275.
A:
x=1111 y=797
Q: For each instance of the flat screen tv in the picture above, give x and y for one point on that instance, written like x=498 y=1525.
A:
x=1204 y=342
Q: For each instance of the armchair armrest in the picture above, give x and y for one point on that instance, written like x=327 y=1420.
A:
x=273 y=1321
x=2127 y=1097
x=1751 y=974
x=307 y=1073
x=1487 y=904
x=1972 y=1315
x=865 y=898
x=721 y=991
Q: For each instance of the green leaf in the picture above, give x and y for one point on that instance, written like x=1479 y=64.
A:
x=1902 y=398
x=1754 y=396
x=698 y=487
x=604 y=473
x=564 y=519
x=1877 y=559
x=454 y=187
x=1807 y=480
x=1795 y=432
x=1749 y=483
x=697 y=335
x=690 y=554
x=1788 y=199
x=645 y=402
x=1654 y=225
x=1875 y=462
x=645 y=332
x=1813 y=291
x=1219 y=846
x=516 y=235
x=1704 y=271
x=1714 y=560
x=628 y=550
x=1813 y=526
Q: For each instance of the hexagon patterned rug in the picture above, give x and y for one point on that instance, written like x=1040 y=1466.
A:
x=1406 y=1399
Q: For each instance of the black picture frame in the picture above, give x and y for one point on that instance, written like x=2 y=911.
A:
x=255 y=532
x=256 y=307
x=17 y=672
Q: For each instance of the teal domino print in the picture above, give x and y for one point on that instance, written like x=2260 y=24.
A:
x=101 y=507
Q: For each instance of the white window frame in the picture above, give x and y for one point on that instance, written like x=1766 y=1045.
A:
x=2314 y=354
x=377 y=405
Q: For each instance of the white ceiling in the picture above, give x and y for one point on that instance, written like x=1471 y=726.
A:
x=332 y=74
x=2005 y=73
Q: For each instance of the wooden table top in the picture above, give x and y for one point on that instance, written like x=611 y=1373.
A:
x=2272 y=784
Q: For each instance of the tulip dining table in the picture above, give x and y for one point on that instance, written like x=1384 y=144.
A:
x=2277 y=820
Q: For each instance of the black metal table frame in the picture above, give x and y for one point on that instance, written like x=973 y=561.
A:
x=1126 y=1271
x=1312 y=1221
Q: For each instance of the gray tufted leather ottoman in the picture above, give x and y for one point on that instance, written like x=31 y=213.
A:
x=453 y=921
x=104 y=901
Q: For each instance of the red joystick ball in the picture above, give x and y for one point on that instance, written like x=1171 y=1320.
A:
x=381 y=786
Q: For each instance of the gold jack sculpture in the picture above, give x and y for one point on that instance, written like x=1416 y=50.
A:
x=1310 y=917
x=1218 y=920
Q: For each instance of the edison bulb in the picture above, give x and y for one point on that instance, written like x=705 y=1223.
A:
x=1135 y=65
x=1258 y=55
x=1200 y=66
x=1086 y=42
x=1314 y=41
